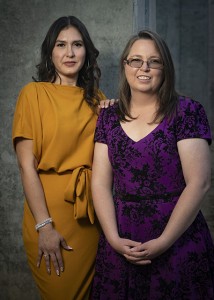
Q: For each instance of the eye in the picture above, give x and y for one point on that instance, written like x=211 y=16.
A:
x=155 y=61
x=78 y=44
x=135 y=60
x=60 y=45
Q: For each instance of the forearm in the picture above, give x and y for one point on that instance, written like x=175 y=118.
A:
x=184 y=212
x=195 y=161
x=34 y=194
x=105 y=211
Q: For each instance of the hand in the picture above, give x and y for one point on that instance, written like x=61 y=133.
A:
x=148 y=250
x=49 y=247
x=125 y=246
x=107 y=102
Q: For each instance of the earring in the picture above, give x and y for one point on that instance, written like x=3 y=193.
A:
x=46 y=65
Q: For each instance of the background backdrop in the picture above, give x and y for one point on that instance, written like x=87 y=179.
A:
x=186 y=25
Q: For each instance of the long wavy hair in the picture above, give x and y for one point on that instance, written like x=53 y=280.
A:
x=167 y=95
x=90 y=73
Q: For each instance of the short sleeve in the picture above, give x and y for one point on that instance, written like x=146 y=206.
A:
x=27 y=121
x=100 y=131
x=192 y=121
x=22 y=123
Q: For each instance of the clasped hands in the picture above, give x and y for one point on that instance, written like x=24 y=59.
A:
x=140 y=253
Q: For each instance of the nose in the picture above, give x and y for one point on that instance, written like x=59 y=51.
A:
x=70 y=51
x=145 y=65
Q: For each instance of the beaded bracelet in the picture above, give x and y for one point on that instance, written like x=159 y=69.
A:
x=42 y=224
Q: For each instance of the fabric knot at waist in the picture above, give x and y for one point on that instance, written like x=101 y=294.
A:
x=78 y=192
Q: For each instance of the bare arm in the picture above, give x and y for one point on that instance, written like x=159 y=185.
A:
x=103 y=201
x=195 y=159
x=49 y=238
x=31 y=183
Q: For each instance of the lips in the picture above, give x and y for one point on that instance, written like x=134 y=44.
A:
x=69 y=63
x=144 y=77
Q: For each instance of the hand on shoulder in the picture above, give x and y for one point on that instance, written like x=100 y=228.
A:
x=107 y=102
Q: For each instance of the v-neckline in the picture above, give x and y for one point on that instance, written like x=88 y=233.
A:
x=144 y=137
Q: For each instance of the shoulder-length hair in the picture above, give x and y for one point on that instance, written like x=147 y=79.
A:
x=167 y=95
x=90 y=73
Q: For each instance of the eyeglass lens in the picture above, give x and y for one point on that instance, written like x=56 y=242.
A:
x=151 y=63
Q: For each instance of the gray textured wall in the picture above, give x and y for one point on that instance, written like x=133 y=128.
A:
x=187 y=25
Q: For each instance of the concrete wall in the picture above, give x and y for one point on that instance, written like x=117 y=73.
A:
x=187 y=26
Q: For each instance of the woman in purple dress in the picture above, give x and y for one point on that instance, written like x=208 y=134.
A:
x=153 y=149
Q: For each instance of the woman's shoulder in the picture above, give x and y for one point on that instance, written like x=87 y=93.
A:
x=189 y=107
x=110 y=111
x=108 y=116
x=31 y=87
x=187 y=103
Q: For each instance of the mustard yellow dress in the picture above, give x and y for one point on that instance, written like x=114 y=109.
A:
x=61 y=125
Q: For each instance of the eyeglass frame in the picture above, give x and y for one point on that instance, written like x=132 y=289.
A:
x=127 y=61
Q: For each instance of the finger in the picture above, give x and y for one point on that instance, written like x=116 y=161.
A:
x=60 y=261
x=142 y=262
x=55 y=263
x=138 y=248
x=112 y=101
x=134 y=260
x=136 y=257
x=39 y=258
x=102 y=104
x=131 y=243
x=64 y=245
x=140 y=253
x=47 y=262
x=107 y=102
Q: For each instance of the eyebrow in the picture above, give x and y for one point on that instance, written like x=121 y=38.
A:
x=140 y=56
x=63 y=41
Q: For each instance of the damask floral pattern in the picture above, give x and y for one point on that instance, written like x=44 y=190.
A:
x=148 y=180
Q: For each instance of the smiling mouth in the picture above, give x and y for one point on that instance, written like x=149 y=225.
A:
x=143 y=77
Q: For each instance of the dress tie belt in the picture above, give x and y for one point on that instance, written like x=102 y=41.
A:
x=78 y=192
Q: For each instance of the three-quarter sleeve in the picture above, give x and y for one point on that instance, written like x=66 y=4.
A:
x=192 y=121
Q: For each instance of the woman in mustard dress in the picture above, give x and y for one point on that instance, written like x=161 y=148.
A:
x=53 y=132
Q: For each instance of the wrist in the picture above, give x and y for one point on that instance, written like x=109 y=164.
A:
x=165 y=242
x=113 y=240
x=46 y=228
x=44 y=223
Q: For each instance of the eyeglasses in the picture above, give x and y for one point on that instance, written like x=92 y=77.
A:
x=153 y=63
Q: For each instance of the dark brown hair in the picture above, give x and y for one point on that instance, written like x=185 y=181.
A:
x=90 y=73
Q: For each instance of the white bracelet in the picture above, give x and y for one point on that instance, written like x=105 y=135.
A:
x=42 y=224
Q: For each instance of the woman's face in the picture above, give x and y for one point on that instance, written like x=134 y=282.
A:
x=144 y=79
x=68 y=55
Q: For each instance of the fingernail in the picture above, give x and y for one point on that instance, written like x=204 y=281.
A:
x=70 y=248
x=49 y=271
x=57 y=272
x=37 y=265
x=62 y=269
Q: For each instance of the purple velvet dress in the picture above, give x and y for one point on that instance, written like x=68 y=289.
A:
x=148 y=180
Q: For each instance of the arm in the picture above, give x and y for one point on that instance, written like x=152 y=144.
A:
x=49 y=238
x=195 y=160
x=103 y=200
